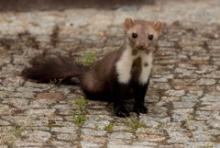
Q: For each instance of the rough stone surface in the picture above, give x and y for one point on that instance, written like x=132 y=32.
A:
x=183 y=97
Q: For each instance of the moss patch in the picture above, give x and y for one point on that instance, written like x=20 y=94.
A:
x=79 y=117
x=109 y=127
x=88 y=58
x=134 y=123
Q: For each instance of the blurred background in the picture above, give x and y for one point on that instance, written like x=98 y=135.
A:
x=27 y=5
x=77 y=21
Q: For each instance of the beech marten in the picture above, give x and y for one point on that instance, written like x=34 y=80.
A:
x=119 y=75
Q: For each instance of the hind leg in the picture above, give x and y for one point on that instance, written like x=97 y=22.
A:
x=91 y=87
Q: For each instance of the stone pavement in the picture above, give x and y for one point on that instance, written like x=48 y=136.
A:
x=184 y=94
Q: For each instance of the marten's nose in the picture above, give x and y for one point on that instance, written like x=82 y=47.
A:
x=142 y=46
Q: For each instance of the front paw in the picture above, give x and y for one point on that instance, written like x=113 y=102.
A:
x=121 y=112
x=140 y=109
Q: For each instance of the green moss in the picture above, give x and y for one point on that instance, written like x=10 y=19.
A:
x=18 y=131
x=81 y=103
x=109 y=127
x=134 y=123
x=79 y=119
x=88 y=58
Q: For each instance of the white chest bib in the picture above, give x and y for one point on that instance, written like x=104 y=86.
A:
x=124 y=65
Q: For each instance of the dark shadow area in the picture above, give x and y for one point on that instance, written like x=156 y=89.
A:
x=32 y=5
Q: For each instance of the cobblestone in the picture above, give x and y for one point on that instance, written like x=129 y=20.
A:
x=183 y=97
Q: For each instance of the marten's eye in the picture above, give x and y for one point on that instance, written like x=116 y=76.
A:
x=150 y=36
x=134 y=35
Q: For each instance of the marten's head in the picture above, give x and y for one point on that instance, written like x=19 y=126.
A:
x=142 y=34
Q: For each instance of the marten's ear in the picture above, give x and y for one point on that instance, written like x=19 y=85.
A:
x=157 y=25
x=128 y=23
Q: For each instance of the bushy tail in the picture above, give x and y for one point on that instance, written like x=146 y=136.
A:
x=53 y=68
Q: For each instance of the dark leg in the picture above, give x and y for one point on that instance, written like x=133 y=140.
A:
x=119 y=93
x=139 y=95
